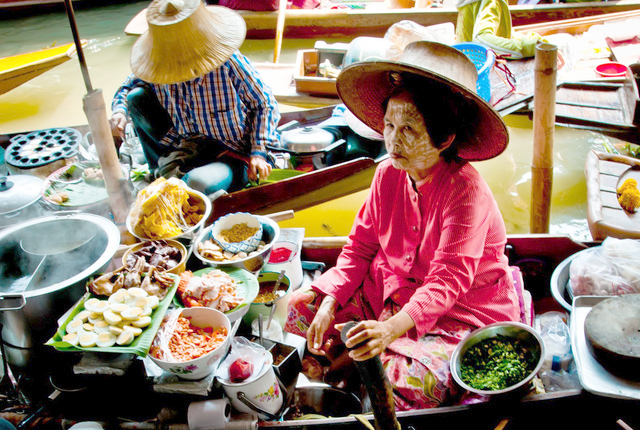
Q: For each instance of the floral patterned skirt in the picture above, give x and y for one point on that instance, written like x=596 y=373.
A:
x=417 y=368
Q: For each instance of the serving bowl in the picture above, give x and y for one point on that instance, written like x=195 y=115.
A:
x=255 y=261
x=262 y=306
x=202 y=366
x=527 y=336
x=611 y=69
x=227 y=222
x=180 y=265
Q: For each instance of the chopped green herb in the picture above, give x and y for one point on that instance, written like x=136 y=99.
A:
x=496 y=363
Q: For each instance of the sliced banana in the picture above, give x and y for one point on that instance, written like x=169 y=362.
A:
x=142 y=322
x=74 y=326
x=137 y=331
x=82 y=316
x=132 y=313
x=71 y=338
x=87 y=339
x=125 y=338
x=105 y=340
x=112 y=318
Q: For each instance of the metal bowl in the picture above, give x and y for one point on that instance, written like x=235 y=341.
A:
x=516 y=330
x=325 y=401
x=253 y=263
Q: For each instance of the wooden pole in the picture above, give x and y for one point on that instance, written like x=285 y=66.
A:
x=544 y=114
x=282 y=8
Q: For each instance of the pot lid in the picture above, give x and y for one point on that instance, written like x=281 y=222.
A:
x=307 y=139
x=42 y=147
x=18 y=192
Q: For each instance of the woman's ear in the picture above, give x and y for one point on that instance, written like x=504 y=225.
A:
x=446 y=143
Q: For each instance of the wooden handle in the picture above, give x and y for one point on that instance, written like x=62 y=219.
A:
x=282 y=8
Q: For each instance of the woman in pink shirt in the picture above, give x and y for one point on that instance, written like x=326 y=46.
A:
x=424 y=264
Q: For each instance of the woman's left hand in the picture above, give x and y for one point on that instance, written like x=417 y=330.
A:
x=369 y=338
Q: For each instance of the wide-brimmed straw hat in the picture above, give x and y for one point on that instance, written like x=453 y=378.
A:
x=365 y=86
x=185 y=39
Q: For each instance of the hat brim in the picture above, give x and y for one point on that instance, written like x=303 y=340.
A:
x=171 y=56
x=365 y=86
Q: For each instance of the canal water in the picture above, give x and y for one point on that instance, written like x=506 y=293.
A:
x=54 y=99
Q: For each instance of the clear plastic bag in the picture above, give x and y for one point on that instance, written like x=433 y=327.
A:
x=607 y=270
x=243 y=349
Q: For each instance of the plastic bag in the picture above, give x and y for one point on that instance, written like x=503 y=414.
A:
x=405 y=32
x=607 y=270
x=246 y=351
x=558 y=369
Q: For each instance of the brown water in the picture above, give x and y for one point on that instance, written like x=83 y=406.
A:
x=54 y=99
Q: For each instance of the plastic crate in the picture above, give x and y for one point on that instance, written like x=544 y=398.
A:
x=483 y=59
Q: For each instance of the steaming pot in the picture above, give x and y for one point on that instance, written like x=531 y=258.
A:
x=20 y=199
x=44 y=266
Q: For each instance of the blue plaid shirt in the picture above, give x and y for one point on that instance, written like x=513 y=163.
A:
x=231 y=104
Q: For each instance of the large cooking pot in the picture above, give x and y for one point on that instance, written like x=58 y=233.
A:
x=20 y=199
x=44 y=265
x=313 y=145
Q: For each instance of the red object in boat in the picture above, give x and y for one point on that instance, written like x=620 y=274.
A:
x=279 y=255
x=611 y=70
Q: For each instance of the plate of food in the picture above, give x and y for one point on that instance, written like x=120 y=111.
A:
x=69 y=187
x=229 y=290
x=123 y=320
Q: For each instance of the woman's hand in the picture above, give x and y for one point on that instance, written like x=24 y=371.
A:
x=258 y=166
x=369 y=338
x=118 y=123
x=319 y=326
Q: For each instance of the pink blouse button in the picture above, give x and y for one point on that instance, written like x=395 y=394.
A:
x=414 y=228
x=408 y=258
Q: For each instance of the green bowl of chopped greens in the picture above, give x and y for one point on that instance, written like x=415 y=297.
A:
x=498 y=359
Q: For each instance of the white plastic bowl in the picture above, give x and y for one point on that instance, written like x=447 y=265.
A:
x=228 y=221
x=202 y=366
x=187 y=234
x=253 y=263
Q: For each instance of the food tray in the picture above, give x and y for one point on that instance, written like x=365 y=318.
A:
x=140 y=346
x=247 y=288
x=593 y=376
x=80 y=191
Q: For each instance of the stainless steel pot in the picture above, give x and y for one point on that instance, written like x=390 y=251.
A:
x=44 y=266
x=313 y=145
x=20 y=199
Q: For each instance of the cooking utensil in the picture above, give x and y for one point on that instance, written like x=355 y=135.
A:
x=20 y=199
x=275 y=293
x=260 y=329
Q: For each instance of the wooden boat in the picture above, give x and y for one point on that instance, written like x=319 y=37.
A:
x=605 y=172
x=536 y=255
x=18 y=69
x=328 y=23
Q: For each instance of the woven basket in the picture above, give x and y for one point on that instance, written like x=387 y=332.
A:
x=483 y=59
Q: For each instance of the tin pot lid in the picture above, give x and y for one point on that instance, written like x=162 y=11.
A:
x=18 y=192
x=307 y=139
x=42 y=147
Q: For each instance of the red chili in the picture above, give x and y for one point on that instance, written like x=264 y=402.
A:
x=279 y=255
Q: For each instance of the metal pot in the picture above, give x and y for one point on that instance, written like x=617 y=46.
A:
x=44 y=266
x=313 y=145
x=20 y=199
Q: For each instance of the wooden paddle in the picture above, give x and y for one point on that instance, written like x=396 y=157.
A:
x=282 y=8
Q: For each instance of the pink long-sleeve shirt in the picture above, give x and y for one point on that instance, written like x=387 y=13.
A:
x=435 y=250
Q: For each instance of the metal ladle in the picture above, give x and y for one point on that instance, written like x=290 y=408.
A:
x=275 y=293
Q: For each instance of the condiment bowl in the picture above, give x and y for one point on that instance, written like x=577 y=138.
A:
x=202 y=366
x=267 y=280
x=226 y=222
x=530 y=338
x=255 y=261
x=177 y=269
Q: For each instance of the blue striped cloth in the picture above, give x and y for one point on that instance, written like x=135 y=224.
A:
x=231 y=104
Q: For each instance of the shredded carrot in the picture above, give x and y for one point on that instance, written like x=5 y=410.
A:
x=189 y=342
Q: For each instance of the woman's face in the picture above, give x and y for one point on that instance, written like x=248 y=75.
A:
x=406 y=138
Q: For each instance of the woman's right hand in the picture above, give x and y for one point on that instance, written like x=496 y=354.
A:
x=118 y=123
x=319 y=326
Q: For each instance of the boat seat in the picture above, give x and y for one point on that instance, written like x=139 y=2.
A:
x=524 y=297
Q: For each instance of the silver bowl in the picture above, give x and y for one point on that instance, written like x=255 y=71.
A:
x=253 y=263
x=522 y=332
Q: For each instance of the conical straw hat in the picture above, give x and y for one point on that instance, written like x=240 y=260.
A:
x=185 y=40
x=365 y=86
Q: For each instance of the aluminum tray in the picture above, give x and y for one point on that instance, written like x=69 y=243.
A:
x=593 y=376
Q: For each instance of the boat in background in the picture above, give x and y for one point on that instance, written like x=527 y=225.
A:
x=18 y=69
x=335 y=23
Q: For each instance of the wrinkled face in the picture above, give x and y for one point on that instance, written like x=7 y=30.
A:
x=406 y=138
